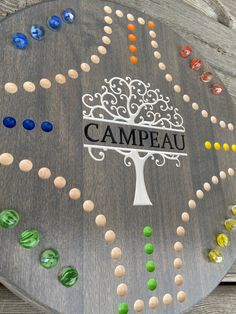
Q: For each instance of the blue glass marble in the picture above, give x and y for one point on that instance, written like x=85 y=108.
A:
x=54 y=23
x=28 y=124
x=20 y=41
x=37 y=32
x=9 y=122
x=46 y=126
x=68 y=15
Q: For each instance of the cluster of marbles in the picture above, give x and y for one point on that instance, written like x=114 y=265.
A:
x=37 y=32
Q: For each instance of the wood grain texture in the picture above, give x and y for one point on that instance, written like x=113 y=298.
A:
x=228 y=76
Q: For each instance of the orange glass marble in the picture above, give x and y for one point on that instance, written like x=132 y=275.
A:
x=131 y=27
x=132 y=37
x=133 y=48
x=151 y=24
x=133 y=60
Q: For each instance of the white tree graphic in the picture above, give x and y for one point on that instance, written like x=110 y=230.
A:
x=132 y=102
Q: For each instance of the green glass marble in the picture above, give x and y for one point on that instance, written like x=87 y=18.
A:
x=150 y=266
x=49 y=258
x=152 y=284
x=29 y=238
x=123 y=308
x=68 y=276
x=149 y=248
x=9 y=218
x=147 y=231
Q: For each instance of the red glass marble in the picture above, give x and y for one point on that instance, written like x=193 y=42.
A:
x=185 y=51
x=196 y=64
x=206 y=77
x=217 y=89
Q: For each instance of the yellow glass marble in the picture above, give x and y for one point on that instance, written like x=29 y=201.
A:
x=215 y=256
x=230 y=224
x=208 y=145
x=226 y=147
x=222 y=240
x=217 y=146
x=233 y=148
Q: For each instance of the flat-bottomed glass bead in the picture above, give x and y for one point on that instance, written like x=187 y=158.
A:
x=152 y=284
x=215 y=256
x=222 y=240
x=9 y=218
x=9 y=122
x=123 y=308
x=147 y=231
x=28 y=124
x=68 y=276
x=150 y=266
x=37 y=32
x=217 y=89
x=54 y=22
x=20 y=41
x=49 y=258
x=46 y=126
x=149 y=248
x=29 y=238
x=230 y=224
x=185 y=51
x=206 y=77
x=68 y=15
x=196 y=64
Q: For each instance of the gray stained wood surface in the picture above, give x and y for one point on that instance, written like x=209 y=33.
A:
x=210 y=26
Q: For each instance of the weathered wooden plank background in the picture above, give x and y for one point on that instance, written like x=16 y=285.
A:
x=210 y=25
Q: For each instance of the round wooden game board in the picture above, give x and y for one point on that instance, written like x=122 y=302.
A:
x=126 y=136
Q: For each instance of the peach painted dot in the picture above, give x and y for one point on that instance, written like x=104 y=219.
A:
x=108 y=9
x=73 y=74
x=195 y=106
x=44 y=173
x=11 y=88
x=157 y=55
x=60 y=182
x=60 y=79
x=154 y=44
x=116 y=253
x=181 y=296
x=185 y=217
x=152 y=34
x=169 y=77
x=177 y=88
x=153 y=303
x=180 y=231
x=223 y=175
x=95 y=59
x=6 y=159
x=108 y=30
x=162 y=66
x=192 y=204
x=110 y=236
x=186 y=98
x=215 y=180
x=141 y=21
x=102 y=50
x=29 y=87
x=45 y=83
x=199 y=194
x=207 y=187
x=230 y=126
x=101 y=221
x=222 y=124
x=231 y=172
x=213 y=120
x=75 y=194
x=26 y=165
x=120 y=271
x=85 y=67
x=106 y=40
x=179 y=280
x=88 y=206
x=178 y=247
x=130 y=17
x=178 y=263
x=138 y=306
x=204 y=113
x=119 y=13
x=108 y=20
x=122 y=290
x=167 y=299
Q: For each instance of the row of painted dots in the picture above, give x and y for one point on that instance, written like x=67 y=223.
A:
x=223 y=239
x=60 y=78
x=178 y=89
x=44 y=173
x=217 y=146
x=28 y=124
x=30 y=239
